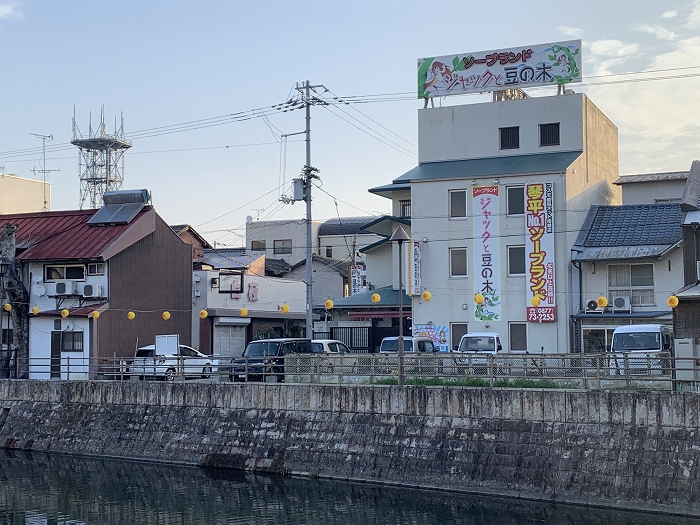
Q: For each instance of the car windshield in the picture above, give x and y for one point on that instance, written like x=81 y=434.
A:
x=144 y=352
x=392 y=345
x=639 y=341
x=261 y=348
x=477 y=344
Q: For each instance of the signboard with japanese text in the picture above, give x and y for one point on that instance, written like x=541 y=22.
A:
x=486 y=253
x=413 y=268
x=355 y=279
x=438 y=334
x=230 y=283
x=528 y=66
x=539 y=247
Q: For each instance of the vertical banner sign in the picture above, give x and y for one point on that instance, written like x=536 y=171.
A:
x=486 y=271
x=539 y=225
x=413 y=268
x=355 y=279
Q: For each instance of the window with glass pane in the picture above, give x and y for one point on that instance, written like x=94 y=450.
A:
x=516 y=260
x=518 y=336
x=458 y=262
x=516 y=200
x=72 y=341
x=282 y=246
x=635 y=281
x=458 y=204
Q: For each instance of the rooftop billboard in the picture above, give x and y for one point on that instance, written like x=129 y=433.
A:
x=540 y=65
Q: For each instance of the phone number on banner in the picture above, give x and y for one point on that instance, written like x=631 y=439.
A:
x=542 y=314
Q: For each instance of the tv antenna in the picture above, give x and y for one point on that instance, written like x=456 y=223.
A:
x=43 y=170
x=257 y=213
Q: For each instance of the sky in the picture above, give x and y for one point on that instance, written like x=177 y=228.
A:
x=161 y=64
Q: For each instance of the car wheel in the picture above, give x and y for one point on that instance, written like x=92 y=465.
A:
x=170 y=374
x=206 y=372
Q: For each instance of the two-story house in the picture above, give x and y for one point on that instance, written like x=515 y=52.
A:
x=122 y=261
x=497 y=200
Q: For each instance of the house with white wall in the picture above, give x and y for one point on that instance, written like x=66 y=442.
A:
x=284 y=239
x=653 y=188
x=631 y=256
x=497 y=199
x=242 y=303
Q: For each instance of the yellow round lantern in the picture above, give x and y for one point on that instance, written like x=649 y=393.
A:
x=243 y=311
x=203 y=314
x=130 y=316
x=328 y=304
x=602 y=301
x=65 y=313
x=426 y=295
x=7 y=307
x=35 y=310
x=672 y=301
x=479 y=298
x=535 y=301
x=284 y=308
x=95 y=314
x=166 y=315
x=376 y=297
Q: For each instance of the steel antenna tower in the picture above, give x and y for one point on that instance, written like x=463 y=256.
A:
x=43 y=170
x=102 y=160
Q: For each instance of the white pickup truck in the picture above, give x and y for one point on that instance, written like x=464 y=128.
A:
x=167 y=359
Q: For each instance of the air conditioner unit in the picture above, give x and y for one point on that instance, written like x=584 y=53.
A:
x=592 y=307
x=621 y=304
x=92 y=290
x=65 y=288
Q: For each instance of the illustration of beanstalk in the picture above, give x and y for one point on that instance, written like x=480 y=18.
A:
x=568 y=59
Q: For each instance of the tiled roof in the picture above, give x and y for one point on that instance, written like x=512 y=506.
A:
x=389 y=299
x=64 y=235
x=652 y=177
x=339 y=265
x=276 y=267
x=628 y=232
x=344 y=225
x=229 y=259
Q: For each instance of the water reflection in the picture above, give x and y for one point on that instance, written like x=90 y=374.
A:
x=56 y=489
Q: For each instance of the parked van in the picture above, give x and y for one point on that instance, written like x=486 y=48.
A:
x=482 y=342
x=634 y=349
x=418 y=345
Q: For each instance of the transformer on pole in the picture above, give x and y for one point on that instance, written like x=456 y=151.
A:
x=101 y=160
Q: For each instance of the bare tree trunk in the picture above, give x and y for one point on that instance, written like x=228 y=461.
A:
x=18 y=297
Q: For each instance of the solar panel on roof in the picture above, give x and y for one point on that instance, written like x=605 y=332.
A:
x=116 y=213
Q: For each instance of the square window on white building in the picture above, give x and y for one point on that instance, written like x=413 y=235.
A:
x=458 y=204
x=515 y=200
x=635 y=281
x=510 y=137
x=282 y=246
x=517 y=336
x=329 y=252
x=458 y=262
x=96 y=268
x=516 y=260
x=257 y=246
x=549 y=134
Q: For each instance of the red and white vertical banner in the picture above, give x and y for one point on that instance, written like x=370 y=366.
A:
x=413 y=269
x=486 y=270
x=539 y=229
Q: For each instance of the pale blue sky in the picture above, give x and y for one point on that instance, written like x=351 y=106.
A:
x=163 y=63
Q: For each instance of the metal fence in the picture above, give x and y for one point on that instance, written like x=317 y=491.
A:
x=602 y=371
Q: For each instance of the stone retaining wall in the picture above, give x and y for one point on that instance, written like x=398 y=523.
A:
x=637 y=450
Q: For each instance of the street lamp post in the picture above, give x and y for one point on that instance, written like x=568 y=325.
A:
x=400 y=236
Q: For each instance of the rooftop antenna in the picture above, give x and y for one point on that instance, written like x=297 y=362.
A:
x=102 y=160
x=257 y=213
x=43 y=170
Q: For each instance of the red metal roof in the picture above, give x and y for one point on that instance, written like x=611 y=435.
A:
x=60 y=235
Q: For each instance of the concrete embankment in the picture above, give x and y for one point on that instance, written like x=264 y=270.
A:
x=638 y=450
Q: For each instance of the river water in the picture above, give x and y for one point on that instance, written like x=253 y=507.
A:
x=55 y=489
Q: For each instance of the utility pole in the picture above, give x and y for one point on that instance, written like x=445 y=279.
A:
x=43 y=169
x=308 y=174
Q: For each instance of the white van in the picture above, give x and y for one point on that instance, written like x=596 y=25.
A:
x=634 y=349
x=481 y=342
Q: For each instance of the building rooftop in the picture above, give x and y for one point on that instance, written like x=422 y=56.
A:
x=628 y=232
x=345 y=225
x=652 y=177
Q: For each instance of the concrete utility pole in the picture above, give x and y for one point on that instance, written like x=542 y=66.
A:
x=308 y=174
x=18 y=297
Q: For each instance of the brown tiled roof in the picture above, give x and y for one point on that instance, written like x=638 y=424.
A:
x=59 y=235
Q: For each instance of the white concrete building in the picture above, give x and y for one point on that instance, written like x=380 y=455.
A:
x=653 y=188
x=281 y=239
x=497 y=200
